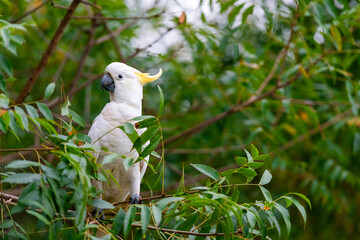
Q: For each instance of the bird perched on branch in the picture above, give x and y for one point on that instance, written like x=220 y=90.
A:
x=125 y=85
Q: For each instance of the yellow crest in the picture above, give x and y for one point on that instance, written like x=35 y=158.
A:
x=145 y=78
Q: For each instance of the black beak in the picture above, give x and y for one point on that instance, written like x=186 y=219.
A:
x=107 y=83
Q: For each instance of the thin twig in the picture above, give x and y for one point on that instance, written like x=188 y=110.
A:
x=186 y=232
x=58 y=6
x=204 y=150
x=139 y=50
x=27 y=149
x=116 y=18
x=115 y=32
x=202 y=125
x=154 y=197
x=305 y=101
x=56 y=101
x=314 y=131
x=50 y=49
x=91 y=4
x=84 y=55
x=30 y=12
x=65 y=59
x=271 y=74
x=113 y=40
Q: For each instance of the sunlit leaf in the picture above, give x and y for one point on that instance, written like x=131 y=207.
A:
x=209 y=171
x=266 y=178
x=49 y=90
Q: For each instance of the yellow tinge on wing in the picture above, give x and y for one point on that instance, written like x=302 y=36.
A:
x=145 y=78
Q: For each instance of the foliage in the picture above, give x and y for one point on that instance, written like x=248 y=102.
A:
x=283 y=76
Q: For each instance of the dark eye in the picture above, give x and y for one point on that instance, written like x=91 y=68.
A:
x=120 y=76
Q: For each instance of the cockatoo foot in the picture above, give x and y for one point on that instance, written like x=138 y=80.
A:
x=99 y=214
x=135 y=198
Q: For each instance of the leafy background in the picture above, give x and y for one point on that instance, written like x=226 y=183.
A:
x=283 y=75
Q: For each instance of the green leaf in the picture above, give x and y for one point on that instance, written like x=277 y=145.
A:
x=2 y=83
x=49 y=127
x=151 y=147
x=118 y=221
x=303 y=197
x=47 y=211
x=32 y=111
x=248 y=155
x=38 y=216
x=18 y=164
x=208 y=171
x=286 y=216
x=129 y=218
x=76 y=117
x=246 y=13
x=12 y=123
x=128 y=162
x=162 y=101
x=335 y=33
x=49 y=90
x=6 y=224
x=189 y=222
x=157 y=213
x=109 y=159
x=65 y=108
x=266 y=178
x=4 y=101
x=165 y=201
x=140 y=118
x=5 y=65
x=255 y=165
x=45 y=110
x=147 y=122
x=299 y=206
x=24 y=121
x=254 y=151
x=5 y=34
x=241 y=160
x=247 y=172
x=133 y=137
x=129 y=128
x=99 y=203
x=145 y=217
x=266 y=194
x=234 y=12
x=148 y=134
x=330 y=7
x=262 y=157
x=273 y=219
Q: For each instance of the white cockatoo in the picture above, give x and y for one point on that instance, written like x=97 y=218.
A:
x=125 y=85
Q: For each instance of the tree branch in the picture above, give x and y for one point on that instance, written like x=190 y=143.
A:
x=30 y=12
x=38 y=149
x=116 y=18
x=139 y=50
x=56 y=101
x=91 y=4
x=314 y=131
x=305 y=101
x=204 y=150
x=58 y=6
x=185 y=232
x=251 y=100
x=113 y=40
x=52 y=46
x=84 y=55
x=115 y=32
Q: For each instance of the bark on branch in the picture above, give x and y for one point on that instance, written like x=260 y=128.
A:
x=50 y=49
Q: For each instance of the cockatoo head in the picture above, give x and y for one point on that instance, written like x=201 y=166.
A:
x=125 y=82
